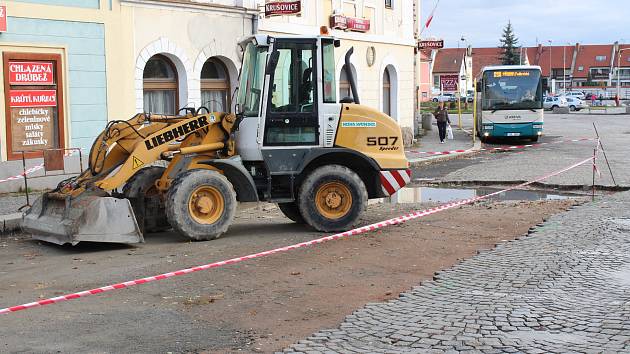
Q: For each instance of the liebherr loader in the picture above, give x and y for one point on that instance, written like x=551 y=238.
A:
x=289 y=142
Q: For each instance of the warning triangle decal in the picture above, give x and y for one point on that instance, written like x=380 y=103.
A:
x=137 y=163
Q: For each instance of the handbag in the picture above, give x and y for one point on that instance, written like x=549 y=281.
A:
x=449 y=132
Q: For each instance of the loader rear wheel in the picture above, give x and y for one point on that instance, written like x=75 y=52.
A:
x=332 y=198
x=201 y=204
x=147 y=203
x=291 y=211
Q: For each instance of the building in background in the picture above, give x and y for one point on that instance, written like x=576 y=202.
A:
x=382 y=34
x=451 y=71
x=588 y=68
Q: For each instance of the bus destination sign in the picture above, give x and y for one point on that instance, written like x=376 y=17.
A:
x=510 y=73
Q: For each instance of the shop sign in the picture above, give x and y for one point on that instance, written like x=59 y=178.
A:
x=33 y=98
x=31 y=73
x=3 y=18
x=430 y=44
x=449 y=82
x=278 y=8
x=355 y=24
x=32 y=128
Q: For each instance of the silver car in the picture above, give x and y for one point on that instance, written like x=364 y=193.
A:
x=552 y=102
x=575 y=104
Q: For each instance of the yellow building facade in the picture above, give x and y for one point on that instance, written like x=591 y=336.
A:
x=382 y=35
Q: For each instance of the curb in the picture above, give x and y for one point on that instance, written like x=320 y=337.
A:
x=417 y=162
x=10 y=223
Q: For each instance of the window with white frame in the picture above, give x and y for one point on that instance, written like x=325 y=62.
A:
x=600 y=58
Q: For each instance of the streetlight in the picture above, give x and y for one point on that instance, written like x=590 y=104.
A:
x=618 y=73
x=549 y=82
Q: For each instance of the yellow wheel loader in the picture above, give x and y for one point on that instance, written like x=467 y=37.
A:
x=291 y=141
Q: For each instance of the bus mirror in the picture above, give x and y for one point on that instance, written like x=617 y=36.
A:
x=272 y=63
x=478 y=86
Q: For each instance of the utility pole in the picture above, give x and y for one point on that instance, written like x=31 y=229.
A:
x=618 y=71
x=564 y=70
x=549 y=82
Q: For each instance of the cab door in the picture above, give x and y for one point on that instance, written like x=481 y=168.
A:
x=291 y=118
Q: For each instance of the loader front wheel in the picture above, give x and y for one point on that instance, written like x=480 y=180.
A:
x=147 y=203
x=332 y=198
x=201 y=204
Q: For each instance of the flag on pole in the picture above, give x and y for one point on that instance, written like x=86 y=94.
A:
x=428 y=23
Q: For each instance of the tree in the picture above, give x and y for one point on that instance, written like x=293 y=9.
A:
x=509 y=45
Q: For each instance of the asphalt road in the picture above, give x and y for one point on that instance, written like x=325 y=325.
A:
x=526 y=164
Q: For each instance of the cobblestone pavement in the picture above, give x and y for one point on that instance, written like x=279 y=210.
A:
x=566 y=288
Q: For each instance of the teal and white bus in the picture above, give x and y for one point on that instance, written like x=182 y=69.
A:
x=510 y=102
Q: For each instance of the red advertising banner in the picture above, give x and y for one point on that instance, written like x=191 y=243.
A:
x=3 y=18
x=449 y=82
x=33 y=98
x=349 y=23
x=278 y=8
x=31 y=73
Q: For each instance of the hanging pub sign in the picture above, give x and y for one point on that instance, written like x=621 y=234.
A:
x=345 y=23
x=31 y=73
x=279 y=8
x=430 y=44
x=3 y=18
x=449 y=82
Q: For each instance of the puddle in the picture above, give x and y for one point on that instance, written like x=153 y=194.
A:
x=445 y=195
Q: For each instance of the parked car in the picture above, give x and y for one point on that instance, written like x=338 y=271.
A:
x=575 y=104
x=445 y=97
x=552 y=102
x=576 y=94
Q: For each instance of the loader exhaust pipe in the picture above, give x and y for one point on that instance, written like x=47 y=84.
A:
x=353 y=83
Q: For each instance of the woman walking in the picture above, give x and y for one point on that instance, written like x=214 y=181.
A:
x=441 y=115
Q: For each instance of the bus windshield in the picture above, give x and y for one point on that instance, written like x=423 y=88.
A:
x=252 y=80
x=512 y=89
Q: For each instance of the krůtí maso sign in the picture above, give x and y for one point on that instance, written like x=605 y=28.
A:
x=279 y=8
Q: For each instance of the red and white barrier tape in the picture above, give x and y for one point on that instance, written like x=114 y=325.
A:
x=361 y=230
x=31 y=170
x=507 y=148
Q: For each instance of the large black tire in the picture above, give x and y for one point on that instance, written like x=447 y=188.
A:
x=147 y=203
x=201 y=204
x=339 y=186
x=291 y=211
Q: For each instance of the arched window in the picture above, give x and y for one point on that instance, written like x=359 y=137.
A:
x=344 y=84
x=387 y=93
x=160 y=86
x=215 y=86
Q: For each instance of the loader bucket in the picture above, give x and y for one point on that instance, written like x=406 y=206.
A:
x=93 y=218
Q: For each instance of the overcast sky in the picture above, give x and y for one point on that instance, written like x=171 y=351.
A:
x=563 y=21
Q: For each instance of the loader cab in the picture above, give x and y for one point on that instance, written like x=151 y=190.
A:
x=286 y=98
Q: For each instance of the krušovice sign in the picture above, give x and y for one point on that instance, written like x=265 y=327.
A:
x=341 y=22
x=431 y=44
x=278 y=8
